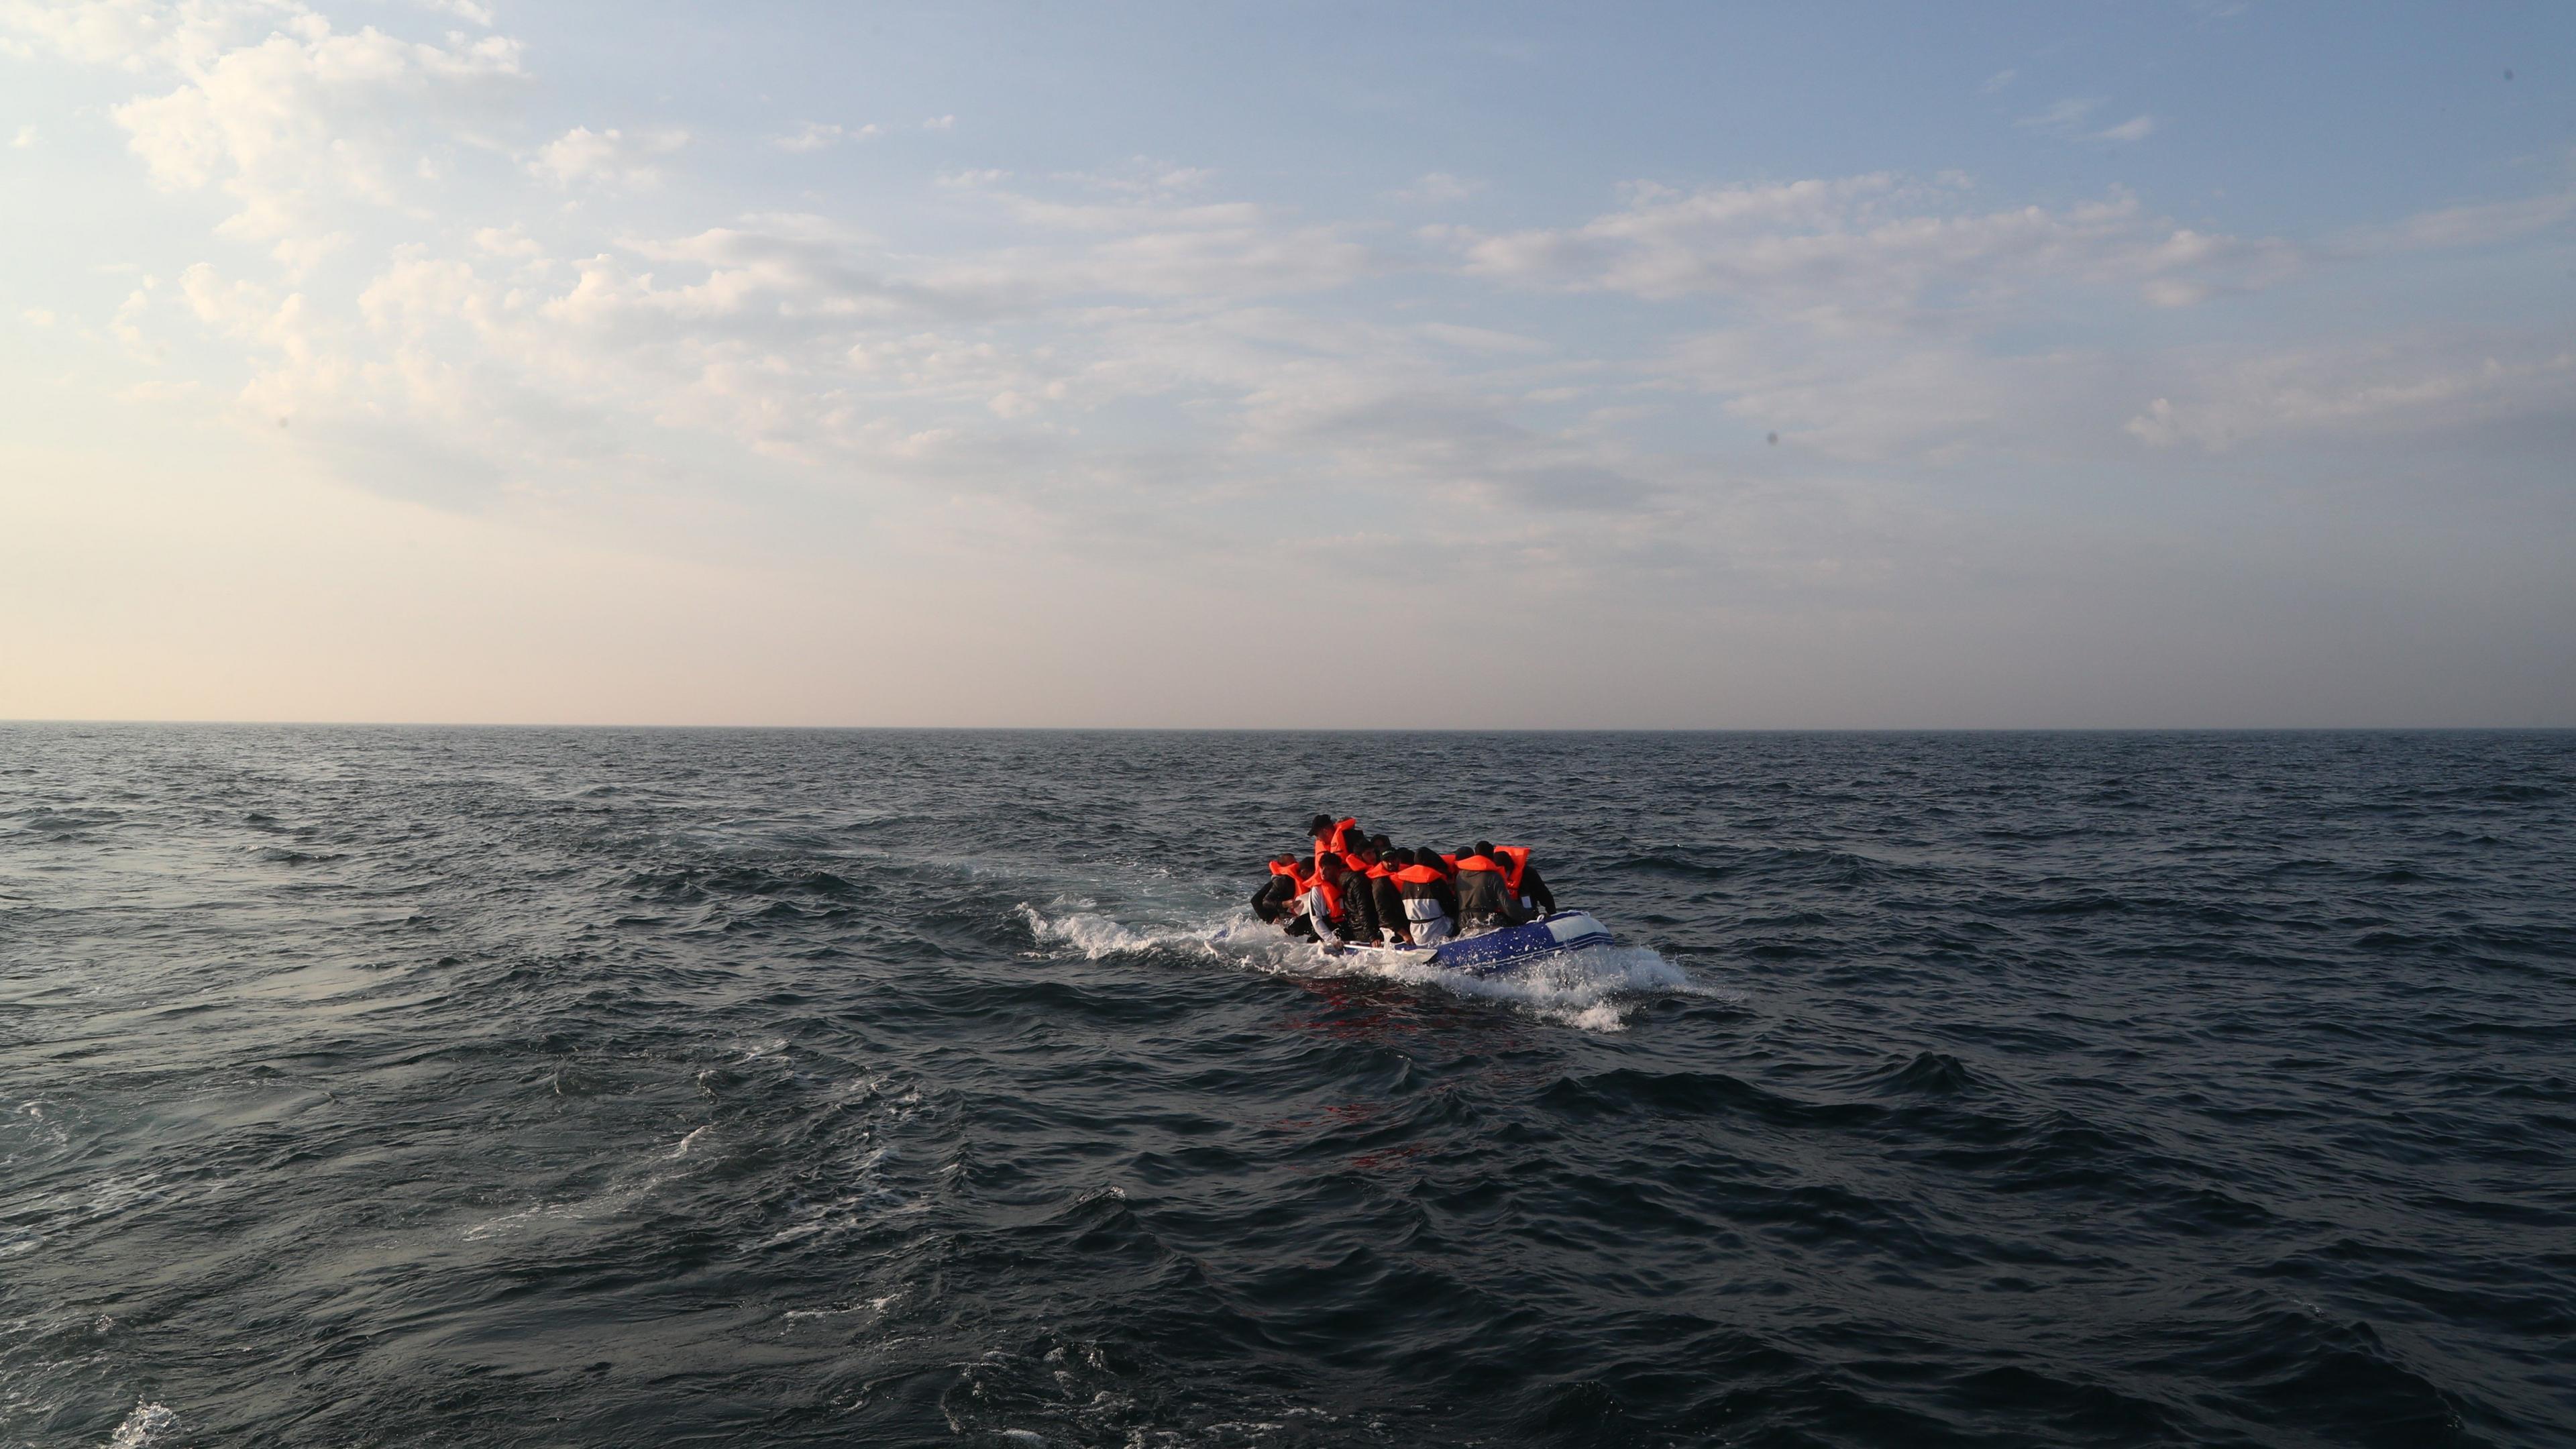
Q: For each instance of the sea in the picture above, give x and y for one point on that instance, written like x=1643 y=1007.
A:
x=606 y=1087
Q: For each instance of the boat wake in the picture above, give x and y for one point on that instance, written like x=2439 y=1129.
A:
x=1598 y=988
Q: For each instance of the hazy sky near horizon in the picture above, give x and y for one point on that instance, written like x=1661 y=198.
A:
x=1201 y=364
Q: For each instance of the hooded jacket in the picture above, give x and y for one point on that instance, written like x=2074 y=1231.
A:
x=1483 y=896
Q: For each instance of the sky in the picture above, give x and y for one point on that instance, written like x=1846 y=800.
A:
x=1490 y=365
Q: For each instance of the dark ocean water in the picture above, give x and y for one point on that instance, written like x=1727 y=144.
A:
x=549 y=1087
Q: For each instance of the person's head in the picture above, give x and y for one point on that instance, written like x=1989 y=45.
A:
x=1466 y=850
x=1401 y=856
x=1381 y=844
x=1484 y=847
x=1320 y=826
x=1334 y=870
x=1368 y=855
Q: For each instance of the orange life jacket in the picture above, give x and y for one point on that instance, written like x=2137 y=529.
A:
x=1478 y=862
x=1335 y=842
x=1418 y=875
x=1379 y=871
x=1515 y=861
x=1331 y=893
x=1287 y=868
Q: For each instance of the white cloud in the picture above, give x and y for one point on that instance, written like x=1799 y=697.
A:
x=509 y=241
x=2462 y=226
x=1998 y=81
x=2376 y=390
x=24 y=140
x=37 y=317
x=1436 y=187
x=817 y=136
x=285 y=114
x=2065 y=116
x=1879 y=240
x=612 y=156
x=2068 y=118
x=940 y=123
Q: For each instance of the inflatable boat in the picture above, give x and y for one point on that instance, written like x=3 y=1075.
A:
x=1489 y=953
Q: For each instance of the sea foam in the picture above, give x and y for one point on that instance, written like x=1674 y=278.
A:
x=1593 y=989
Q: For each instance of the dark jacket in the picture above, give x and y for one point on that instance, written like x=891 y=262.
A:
x=1388 y=902
x=1275 y=899
x=1359 y=913
x=1534 y=889
x=1483 y=900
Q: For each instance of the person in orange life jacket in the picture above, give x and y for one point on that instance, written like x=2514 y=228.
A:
x=1298 y=924
x=1331 y=836
x=1278 y=897
x=1426 y=900
x=1484 y=901
x=1337 y=903
x=1521 y=876
x=1384 y=899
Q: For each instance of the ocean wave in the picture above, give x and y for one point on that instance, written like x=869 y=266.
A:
x=2021 y=1091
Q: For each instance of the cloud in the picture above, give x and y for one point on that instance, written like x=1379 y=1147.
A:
x=2068 y=118
x=1998 y=81
x=1481 y=339
x=612 y=156
x=2063 y=117
x=1436 y=187
x=509 y=241
x=2461 y=226
x=25 y=139
x=1879 y=240
x=940 y=123
x=816 y=136
x=2369 y=391
x=1147 y=352
x=285 y=114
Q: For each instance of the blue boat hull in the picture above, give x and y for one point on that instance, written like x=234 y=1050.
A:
x=1508 y=949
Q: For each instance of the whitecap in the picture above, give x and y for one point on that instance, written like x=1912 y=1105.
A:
x=509 y=1223
x=1096 y=935
x=147 y=1422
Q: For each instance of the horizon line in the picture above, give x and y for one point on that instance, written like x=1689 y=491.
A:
x=1311 y=729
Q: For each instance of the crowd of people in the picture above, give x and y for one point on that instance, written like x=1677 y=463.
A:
x=1363 y=889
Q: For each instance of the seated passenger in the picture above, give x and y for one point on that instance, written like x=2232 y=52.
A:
x=1385 y=899
x=1278 y=896
x=1484 y=901
x=1526 y=885
x=1338 y=905
x=1430 y=903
